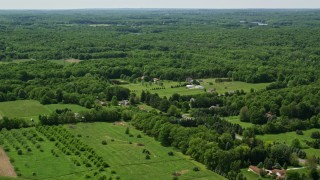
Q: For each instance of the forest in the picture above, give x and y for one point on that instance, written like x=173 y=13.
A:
x=84 y=56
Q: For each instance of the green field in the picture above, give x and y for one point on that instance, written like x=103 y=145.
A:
x=32 y=109
x=236 y=120
x=219 y=87
x=289 y=136
x=129 y=161
x=38 y=160
x=44 y=159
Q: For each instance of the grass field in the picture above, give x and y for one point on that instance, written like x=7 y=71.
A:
x=38 y=163
x=207 y=84
x=289 y=136
x=31 y=109
x=129 y=161
x=236 y=120
x=126 y=160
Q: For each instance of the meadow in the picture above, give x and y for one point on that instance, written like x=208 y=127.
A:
x=64 y=152
x=208 y=84
x=289 y=136
x=31 y=109
x=236 y=120
x=124 y=152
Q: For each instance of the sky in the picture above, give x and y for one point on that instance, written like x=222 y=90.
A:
x=207 y=4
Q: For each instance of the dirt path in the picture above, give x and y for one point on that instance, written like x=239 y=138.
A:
x=6 y=168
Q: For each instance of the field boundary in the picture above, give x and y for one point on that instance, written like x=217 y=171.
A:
x=6 y=168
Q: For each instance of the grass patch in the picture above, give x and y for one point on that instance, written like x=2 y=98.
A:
x=128 y=159
x=28 y=109
x=289 y=136
x=232 y=86
x=236 y=120
x=207 y=83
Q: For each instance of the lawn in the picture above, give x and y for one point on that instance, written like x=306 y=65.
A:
x=207 y=84
x=236 y=120
x=289 y=136
x=232 y=86
x=128 y=159
x=32 y=109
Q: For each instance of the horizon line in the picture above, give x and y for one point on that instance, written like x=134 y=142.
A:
x=142 y=8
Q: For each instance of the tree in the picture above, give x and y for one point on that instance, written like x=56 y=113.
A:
x=244 y=114
x=127 y=130
x=114 y=101
x=293 y=175
x=280 y=153
x=314 y=174
x=143 y=96
x=173 y=111
x=295 y=143
x=260 y=165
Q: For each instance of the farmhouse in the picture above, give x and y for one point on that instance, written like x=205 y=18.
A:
x=199 y=87
x=190 y=86
x=279 y=172
x=124 y=103
x=155 y=80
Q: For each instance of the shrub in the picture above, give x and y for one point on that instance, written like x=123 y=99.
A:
x=104 y=142
x=34 y=173
x=196 y=169
x=127 y=130
x=170 y=153
x=130 y=135
x=113 y=172
x=315 y=135
x=88 y=176
x=147 y=156
x=299 y=132
x=20 y=152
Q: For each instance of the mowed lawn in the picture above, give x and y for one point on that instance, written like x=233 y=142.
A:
x=207 y=84
x=232 y=86
x=236 y=120
x=128 y=159
x=289 y=136
x=31 y=109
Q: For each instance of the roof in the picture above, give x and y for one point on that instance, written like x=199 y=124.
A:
x=255 y=169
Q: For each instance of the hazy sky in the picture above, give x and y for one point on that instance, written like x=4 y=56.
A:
x=75 y=4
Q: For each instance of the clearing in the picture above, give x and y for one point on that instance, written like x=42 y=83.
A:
x=289 y=136
x=236 y=120
x=208 y=84
x=6 y=168
x=125 y=154
x=28 y=109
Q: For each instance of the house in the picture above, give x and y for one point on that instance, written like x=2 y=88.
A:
x=270 y=116
x=124 y=103
x=190 y=86
x=199 y=87
x=214 y=107
x=280 y=173
x=102 y=103
x=155 y=80
x=189 y=80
